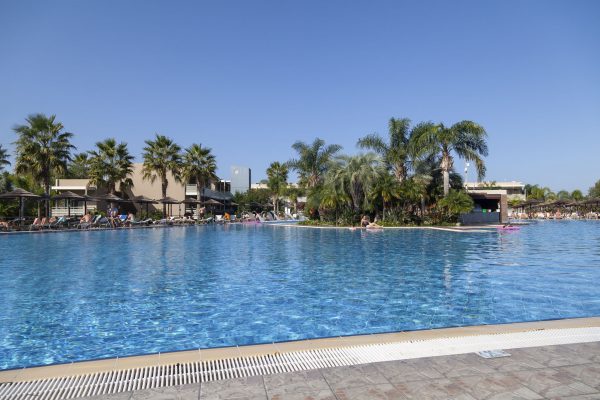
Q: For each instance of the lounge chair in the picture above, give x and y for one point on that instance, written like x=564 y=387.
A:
x=144 y=222
x=87 y=225
x=102 y=222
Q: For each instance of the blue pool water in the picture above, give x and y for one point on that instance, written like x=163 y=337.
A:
x=76 y=296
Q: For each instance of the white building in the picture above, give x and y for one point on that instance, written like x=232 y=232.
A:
x=512 y=189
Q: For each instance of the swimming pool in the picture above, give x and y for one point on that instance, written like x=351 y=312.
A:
x=85 y=295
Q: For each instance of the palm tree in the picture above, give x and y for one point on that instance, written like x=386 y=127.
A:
x=200 y=165
x=111 y=164
x=396 y=152
x=466 y=138
x=277 y=175
x=577 y=195
x=386 y=188
x=332 y=194
x=161 y=156
x=80 y=166
x=539 y=193
x=313 y=161
x=43 y=149
x=357 y=175
x=594 y=191
x=3 y=158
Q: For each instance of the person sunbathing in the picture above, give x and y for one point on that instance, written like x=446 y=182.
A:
x=365 y=221
x=87 y=218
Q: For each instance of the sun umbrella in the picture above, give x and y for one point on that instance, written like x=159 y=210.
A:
x=20 y=194
x=111 y=198
x=168 y=201
x=68 y=196
x=191 y=201
x=87 y=198
x=144 y=200
x=213 y=202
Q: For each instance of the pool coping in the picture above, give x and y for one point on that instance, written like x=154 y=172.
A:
x=171 y=358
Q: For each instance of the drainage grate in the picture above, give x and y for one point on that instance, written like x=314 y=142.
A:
x=204 y=371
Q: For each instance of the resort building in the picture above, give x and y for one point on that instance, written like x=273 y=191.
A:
x=219 y=191
x=513 y=189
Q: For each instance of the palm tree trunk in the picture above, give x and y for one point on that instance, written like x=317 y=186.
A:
x=47 y=199
x=199 y=187
x=164 y=184
x=383 y=213
x=400 y=173
x=446 y=182
x=446 y=166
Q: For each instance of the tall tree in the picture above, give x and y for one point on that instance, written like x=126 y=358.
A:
x=200 y=165
x=396 y=151
x=79 y=168
x=111 y=165
x=277 y=175
x=539 y=193
x=43 y=150
x=161 y=156
x=3 y=158
x=313 y=161
x=594 y=191
x=466 y=139
x=576 y=195
x=357 y=176
x=386 y=189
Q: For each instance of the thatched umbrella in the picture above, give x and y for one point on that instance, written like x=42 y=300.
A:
x=20 y=194
x=192 y=202
x=112 y=198
x=212 y=203
x=87 y=198
x=144 y=200
x=169 y=201
x=68 y=196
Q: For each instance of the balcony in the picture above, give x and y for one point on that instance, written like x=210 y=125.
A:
x=75 y=211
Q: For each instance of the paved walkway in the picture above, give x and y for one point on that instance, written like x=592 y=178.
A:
x=552 y=372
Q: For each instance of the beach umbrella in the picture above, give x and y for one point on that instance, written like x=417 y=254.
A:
x=169 y=201
x=68 y=196
x=20 y=194
x=87 y=198
x=213 y=202
x=112 y=198
x=144 y=200
x=191 y=202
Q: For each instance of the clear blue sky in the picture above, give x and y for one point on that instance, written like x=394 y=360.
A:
x=248 y=78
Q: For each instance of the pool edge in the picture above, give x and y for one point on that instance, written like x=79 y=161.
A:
x=170 y=358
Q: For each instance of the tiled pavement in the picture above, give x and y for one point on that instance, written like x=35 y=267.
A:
x=552 y=372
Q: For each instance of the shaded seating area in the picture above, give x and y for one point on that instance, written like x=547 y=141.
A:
x=74 y=212
x=557 y=209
